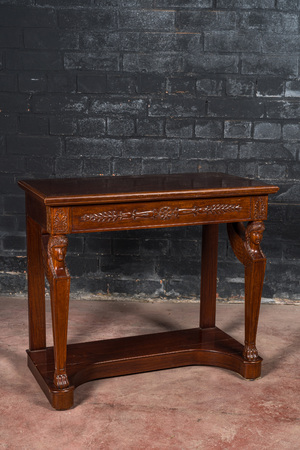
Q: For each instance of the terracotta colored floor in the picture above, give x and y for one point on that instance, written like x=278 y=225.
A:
x=185 y=408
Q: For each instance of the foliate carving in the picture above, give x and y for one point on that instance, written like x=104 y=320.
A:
x=60 y=221
x=253 y=236
x=164 y=213
x=260 y=208
x=250 y=352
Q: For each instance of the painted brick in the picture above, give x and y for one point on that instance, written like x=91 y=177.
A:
x=14 y=102
x=232 y=41
x=182 y=128
x=267 y=130
x=120 y=84
x=8 y=82
x=189 y=4
x=181 y=85
x=210 y=63
x=237 y=129
x=52 y=103
x=27 y=17
x=119 y=126
x=91 y=61
x=39 y=167
x=99 y=20
x=270 y=87
x=91 y=84
x=287 y=5
x=47 y=38
x=291 y=132
x=150 y=127
x=96 y=167
x=8 y=123
x=32 y=82
x=61 y=125
x=34 y=145
x=283 y=109
x=147 y=20
x=92 y=127
x=208 y=150
x=152 y=83
x=118 y=106
x=176 y=106
x=31 y=124
x=280 y=43
x=267 y=151
x=287 y=66
x=150 y=166
x=197 y=21
x=151 y=148
x=102 y=148
x=68 y=167
x=10 y=37
x=210 y=87
x=292 y=88
x=155 y=62
x=272 y=171
x=240 y=87
x=209 y=129
x=127 y=166
x=61 y=82
x=236 y=108
x=269 y=22
x=33 y=60
x=245 y=4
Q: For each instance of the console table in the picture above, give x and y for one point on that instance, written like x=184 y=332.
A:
x=58 y=207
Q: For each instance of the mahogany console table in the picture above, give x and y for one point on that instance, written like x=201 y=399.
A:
x=58 y=207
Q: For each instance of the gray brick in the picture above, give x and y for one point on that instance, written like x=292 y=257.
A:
x=61 y=82
x=150 y=166
x=181 y=85
x=119 y=126
x=10 y=37
x=237 y=129
x=110 y=40
x=12 y=164
x=183 y=165
x=182 y=128
x=151 y=83
x=245 y=4
x=14 y=243
x=34 y=145
x=216 y=63
x=294 y=172
x=98 y=20
x=53 y=103
x=270 y=87
x=209 y=129
x=39 y=167
x=105 y=105
x=287 y=5
x=280 y=43
x=150 y=127
x=14 y=204
x=283 y=109
x=197 y=21
x=270 y=22
x=127 y=166
x=50 y=39
x=210 y=87
x=32 y=82
x=63 y=126
x=8 y=83
x=151 y=148
x=267 y=130
x=68 y=167
x=210 y=150
x=8 y=123
x=272 y=151
x=147 y=20
x=240 y=87
x=272 y=171
x=188 y=4
x=59 y=4
x=91 y=83
x=96 y=167
x=98 y=244
x=243 y=168
x=175 y=106
x=291 y=132
x=102 y=148
x=236 y=108
x=120 y=84
x=92 y=127
x=286 y=66
x=292 y=88
x=27 y=17
x=14 y=102
x=152 y=63
x=32 y=124
x=232 y=41
x=33 y=60
x=91 y=61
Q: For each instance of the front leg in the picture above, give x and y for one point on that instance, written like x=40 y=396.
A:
x=59 y=280
x=246 y=246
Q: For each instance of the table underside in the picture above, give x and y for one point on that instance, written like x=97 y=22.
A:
x=123 y=356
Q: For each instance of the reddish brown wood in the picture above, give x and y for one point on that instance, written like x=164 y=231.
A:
x=59 y=207
x=36 y=287
x=209 y=275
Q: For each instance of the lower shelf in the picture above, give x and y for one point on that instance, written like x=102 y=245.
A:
x=114 y=357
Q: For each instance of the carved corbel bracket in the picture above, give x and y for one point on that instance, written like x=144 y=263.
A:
x=245 y=242
x=54 y=253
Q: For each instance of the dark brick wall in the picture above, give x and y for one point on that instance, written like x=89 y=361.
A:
x=96 y=87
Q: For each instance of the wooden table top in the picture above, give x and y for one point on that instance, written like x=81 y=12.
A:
x=116 y=189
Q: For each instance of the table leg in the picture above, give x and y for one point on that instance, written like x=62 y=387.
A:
x=209 y=264
x=36 y=287
x=59 y=280
x=246 y=246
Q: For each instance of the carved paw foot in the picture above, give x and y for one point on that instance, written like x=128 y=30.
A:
x=61 y=380
x=250 y=352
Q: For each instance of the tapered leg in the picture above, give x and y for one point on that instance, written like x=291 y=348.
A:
x=209 y=264
x=36 y=287
x=59 y=280
x=246 y=246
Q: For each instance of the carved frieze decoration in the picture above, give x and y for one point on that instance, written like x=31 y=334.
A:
x=60 y=221
x=260 y=208
x=163 y=213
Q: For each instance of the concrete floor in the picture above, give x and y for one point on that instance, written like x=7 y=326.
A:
x=185 y=408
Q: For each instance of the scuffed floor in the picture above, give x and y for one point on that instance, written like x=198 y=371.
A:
x=185 y=408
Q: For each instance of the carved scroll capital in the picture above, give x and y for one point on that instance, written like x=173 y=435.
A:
x=250 y=352
x=253 y=238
